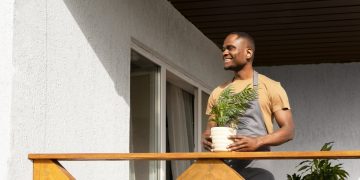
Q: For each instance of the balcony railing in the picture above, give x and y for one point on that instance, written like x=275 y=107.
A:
x=208 y=164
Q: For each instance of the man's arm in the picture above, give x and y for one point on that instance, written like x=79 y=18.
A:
x=283 y=134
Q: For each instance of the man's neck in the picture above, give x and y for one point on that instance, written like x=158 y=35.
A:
x=244 y=74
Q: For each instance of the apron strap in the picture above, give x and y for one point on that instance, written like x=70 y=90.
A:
x=255 y=80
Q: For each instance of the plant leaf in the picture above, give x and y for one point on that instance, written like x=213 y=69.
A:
x=327 y=146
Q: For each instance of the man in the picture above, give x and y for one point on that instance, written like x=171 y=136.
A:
x=255 y=128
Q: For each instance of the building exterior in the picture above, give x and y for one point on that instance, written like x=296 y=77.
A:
x=65 y=79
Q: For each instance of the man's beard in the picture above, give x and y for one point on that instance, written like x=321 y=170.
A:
x=236 y=68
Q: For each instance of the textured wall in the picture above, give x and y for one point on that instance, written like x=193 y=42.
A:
x=325 y=101
x=166 y=31
x=70 y=90
x=71 y=84
x=6 y=77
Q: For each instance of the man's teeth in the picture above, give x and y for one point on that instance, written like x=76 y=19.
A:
x=227 y=60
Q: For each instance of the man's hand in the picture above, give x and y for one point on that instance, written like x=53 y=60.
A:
x=206 y=140
x=244 y=143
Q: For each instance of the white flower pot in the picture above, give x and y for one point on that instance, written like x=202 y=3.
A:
x=220 y=138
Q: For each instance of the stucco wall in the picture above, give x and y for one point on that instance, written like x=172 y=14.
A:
x=71 y=84
x=325 y=101
x=6 y=77
x=70 y=91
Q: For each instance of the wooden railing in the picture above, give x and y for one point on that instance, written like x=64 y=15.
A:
x=208 y=164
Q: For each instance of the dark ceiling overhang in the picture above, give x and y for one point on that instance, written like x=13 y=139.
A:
x=286 y=31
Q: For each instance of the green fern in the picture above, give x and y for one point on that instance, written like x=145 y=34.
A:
x=230 y=106
x=321 y=169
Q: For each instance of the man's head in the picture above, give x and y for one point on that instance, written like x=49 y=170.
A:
x=238 y=51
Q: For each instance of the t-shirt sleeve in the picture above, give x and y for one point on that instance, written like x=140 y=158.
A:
x=278 y=97
x=211 y=102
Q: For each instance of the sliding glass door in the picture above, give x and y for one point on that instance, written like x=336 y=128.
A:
x=167 y=115
x=144 y=103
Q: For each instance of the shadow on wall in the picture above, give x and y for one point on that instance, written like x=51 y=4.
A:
x=105 y=26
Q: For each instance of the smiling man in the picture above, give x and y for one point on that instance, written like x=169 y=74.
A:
x=255 y=129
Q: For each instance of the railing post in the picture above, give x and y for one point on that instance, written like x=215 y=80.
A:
x=50 y=169
x=210 y=169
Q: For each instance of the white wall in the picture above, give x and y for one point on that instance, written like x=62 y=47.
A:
x=70 y=90
x=325 y=101
x=71 y=85
x=6 y=77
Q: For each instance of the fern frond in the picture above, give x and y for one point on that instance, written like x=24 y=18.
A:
x=230 y=106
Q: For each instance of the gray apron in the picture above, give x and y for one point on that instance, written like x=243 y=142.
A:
x=252 y=124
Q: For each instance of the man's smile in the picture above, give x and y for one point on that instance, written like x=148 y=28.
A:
x=227 y=60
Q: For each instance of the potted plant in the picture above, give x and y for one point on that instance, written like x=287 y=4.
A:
x=320 y=169
x=226 y=112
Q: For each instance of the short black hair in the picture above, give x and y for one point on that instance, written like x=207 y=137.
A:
x=246 y=36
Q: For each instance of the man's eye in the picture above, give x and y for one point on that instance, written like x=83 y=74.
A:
x=229 y=48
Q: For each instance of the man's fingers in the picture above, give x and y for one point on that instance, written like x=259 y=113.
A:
x=239 y=144
x=208 y=148
x=207 y=144
x=244 y=144
x=232 y=137
x=236 y=137
x=237 y=147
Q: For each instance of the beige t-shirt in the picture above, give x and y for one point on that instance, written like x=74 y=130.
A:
x=272 y=97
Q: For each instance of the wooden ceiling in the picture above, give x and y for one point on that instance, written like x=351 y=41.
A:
x=285 y=31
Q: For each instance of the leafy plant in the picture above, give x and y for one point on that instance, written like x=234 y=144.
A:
x=319 y=169
x=230 y=106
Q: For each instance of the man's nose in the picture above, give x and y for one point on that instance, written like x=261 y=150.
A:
x=225 y=53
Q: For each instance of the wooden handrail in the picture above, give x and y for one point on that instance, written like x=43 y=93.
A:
x=201 y=155
x=208 y=164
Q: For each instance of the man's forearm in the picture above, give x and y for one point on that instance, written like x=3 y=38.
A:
x=282 y=135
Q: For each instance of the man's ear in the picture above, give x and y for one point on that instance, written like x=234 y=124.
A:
x=249 y=53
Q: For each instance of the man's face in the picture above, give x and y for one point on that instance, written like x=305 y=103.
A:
x=235 y=53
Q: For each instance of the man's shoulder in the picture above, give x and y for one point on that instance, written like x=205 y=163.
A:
x=270 y=86
x=267 y=81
